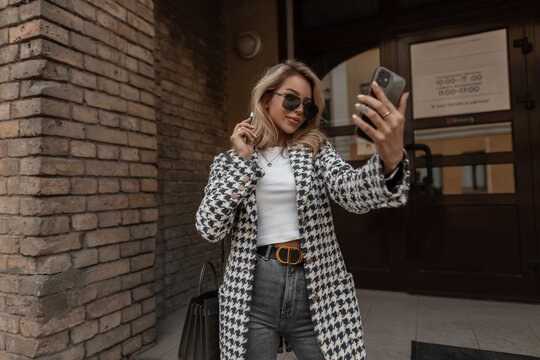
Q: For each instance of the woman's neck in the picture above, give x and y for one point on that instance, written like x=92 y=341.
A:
x=281 y=140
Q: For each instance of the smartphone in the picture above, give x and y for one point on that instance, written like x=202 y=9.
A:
x=392 y=85
x=250 y=119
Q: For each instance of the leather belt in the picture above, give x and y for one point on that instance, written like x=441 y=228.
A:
x=283 y=254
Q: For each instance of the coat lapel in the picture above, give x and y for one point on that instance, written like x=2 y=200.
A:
x=303 y=174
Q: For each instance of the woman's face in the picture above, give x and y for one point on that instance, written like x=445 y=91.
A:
x=287 y=122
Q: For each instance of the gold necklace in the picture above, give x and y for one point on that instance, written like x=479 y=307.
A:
x=269 y=163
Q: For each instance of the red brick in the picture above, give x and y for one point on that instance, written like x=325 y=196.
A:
x=53 y=325
x=107 y=202
x=148 y=215
x=106 y=340
x=8 y=129
x=141 y=200
x=9 y=244
x=149 y=185
x=149 y=336
x=142 y=170
x=37 y=246
x=148 y=156
x=110 y=218
x=130 y=185
x=106 y=271
x=108 y=152
x=83 y=149
x=132 y=312
x=52 y=205
x=144 y=230
x=143 y=292
x=84 y=296
x=84 y=221
x=130 y=248
x=9 y=323
x=149 y=305
x=9 y=284
x=109 y=322
x=131 y=345
x=131 y=280
x=106 y=134
x=84 y=114
x=58 y=15
x=107 y=236
x=110 y=119
x=106 y=168
x=129 y=154
x=41 y=47
x=143 y=323
x=53 y=264
x=58 y=166
x=142 y=141
x=80 y=186
x=108 y=305
x=110 y=7
x=108 y=185
x=37 y=347
x=84 y=332
x=113 y=353
x=85 y=258
x=109 y=253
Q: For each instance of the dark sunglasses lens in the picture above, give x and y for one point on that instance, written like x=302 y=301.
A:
x=310 y=110
x=291 y=102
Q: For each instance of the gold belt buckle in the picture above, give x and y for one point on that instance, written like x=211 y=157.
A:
x=288 y=261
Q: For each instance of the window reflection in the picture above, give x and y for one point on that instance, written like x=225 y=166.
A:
x=487 y=138
x=341 y=86
x=471 y=179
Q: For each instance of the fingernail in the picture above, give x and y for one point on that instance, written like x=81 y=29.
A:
x=375 y=84
x=364 y=108
x=360 y=96
x=355 y=116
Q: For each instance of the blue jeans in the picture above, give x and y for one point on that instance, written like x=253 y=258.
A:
x=280 y=307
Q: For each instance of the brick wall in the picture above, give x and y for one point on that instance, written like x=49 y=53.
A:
x=190 y=73
x=78 y=176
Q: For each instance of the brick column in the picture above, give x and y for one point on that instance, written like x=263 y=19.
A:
x=190 y=64
x=78 y=177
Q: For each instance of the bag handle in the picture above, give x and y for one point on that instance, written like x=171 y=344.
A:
x=201 y=277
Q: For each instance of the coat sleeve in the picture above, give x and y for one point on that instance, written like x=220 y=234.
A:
x=231 y=179
x=360 y=190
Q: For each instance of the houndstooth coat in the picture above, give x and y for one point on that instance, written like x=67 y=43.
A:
x=229 y=205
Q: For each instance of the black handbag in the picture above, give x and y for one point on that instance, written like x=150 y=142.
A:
x=200 y=337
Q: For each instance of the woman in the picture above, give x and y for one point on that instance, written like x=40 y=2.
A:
x=285 y=275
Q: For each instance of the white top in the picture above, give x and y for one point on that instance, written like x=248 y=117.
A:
x=276 y=199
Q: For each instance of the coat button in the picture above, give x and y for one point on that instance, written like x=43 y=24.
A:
x=245 y=178
x=309 y=260
x=234 y=196
x=304 y=222
x=315 y=297
x=241 y=188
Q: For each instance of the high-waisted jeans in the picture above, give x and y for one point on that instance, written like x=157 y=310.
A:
x=280 y=307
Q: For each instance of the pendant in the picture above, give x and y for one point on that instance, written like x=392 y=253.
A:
x=269 y=164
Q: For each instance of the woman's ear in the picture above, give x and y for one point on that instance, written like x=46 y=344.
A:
x=265 y=100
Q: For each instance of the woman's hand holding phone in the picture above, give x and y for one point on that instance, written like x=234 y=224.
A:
x=389 y=122
x=243 y=138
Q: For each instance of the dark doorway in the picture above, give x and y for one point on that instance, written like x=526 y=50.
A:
x=471 y=231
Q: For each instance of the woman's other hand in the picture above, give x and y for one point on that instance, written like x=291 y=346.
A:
x=243 y=139
x=390 y=123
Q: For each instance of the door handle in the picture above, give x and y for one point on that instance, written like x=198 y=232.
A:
x=428 y=180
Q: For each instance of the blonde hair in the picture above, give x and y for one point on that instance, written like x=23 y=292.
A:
x=267 y=134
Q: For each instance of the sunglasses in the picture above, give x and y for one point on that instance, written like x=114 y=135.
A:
x=292 y=102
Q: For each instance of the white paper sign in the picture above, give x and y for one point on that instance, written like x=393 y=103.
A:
x=461 y=75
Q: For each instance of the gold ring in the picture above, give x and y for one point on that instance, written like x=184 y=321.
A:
x=386 y=114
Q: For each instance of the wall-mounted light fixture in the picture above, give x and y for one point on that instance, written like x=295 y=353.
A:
x=248 y=44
